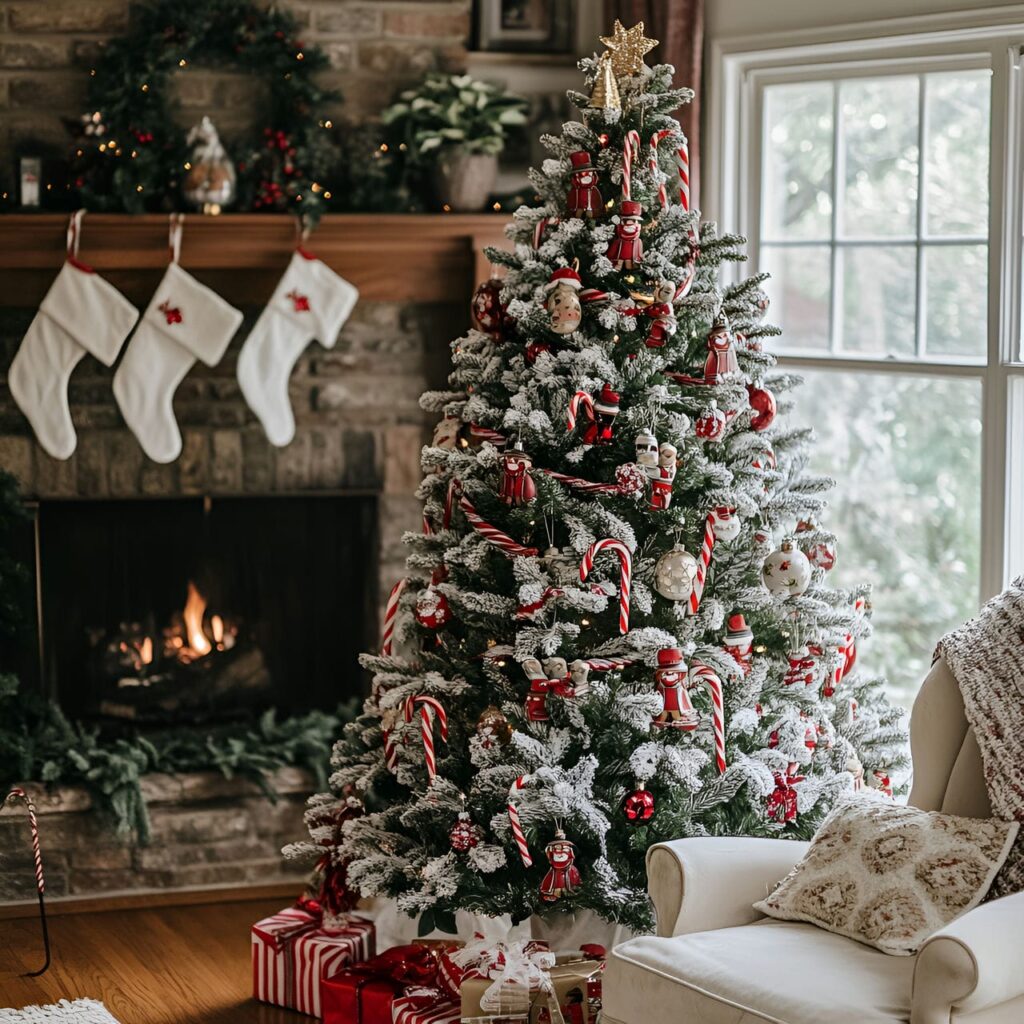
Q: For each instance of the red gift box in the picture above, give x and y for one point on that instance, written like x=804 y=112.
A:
x=293 y=951
x=426 y=1006
x=366 y=992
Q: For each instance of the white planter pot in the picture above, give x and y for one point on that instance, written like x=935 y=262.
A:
x=570 y=931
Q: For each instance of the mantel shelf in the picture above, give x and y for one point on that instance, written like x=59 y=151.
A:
x=388 y=257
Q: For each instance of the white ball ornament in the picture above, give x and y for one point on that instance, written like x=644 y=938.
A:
x=675 y=574
x=786 y=571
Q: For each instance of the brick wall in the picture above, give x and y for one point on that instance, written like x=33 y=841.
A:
x=375 y=48
x=206 y=830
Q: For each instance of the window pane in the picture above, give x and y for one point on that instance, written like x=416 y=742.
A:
x=797 y=179
x=956 y=152
x=878 y=299
x=880 y=153
x=906 y=453
x=799 y=290
x=1015 y=480
x=956 y=300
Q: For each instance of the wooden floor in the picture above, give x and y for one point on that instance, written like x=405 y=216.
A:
x=169 y=965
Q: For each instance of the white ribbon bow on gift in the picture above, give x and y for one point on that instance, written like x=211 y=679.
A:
x=517 y=972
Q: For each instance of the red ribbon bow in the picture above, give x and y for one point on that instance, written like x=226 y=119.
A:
x=372 y=986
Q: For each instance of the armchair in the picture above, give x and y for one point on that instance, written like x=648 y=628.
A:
x=716 y=960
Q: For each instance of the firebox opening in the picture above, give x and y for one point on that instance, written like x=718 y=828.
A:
x=192 y=610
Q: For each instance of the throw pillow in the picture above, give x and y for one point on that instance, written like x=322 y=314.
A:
x=889 y=876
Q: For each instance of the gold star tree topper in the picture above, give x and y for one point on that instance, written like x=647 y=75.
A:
x=628 y=46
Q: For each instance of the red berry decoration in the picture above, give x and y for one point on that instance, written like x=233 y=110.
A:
x=464 y=834
x=762 y=401
x=639 y=807
x=432 y=609
x=487 y=309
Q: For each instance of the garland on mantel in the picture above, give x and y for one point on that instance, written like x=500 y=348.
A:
x=131 y=154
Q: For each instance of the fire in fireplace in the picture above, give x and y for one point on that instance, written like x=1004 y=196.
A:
x=190 y=610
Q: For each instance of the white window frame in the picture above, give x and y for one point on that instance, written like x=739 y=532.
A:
x=740 y=70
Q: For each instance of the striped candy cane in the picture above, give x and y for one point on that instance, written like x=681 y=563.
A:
x=714 y=685
x=704 y=560
x=580 y=398
x=390 y=613
x=492 y=534
x=19 y=794
x=541 y=226
x=429 y=707
x=579 y=484
x=609 y=664
x=388 y=720
x=626 y=567
x=517 y=826
x=630 y=152
x=683 y=169
x=656 y=139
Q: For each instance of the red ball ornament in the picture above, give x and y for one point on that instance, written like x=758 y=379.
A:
x=711 y=426
x=762 y=401
x=604 y=138
x=432 y=609
x=464 y=834
x=638 y=807
x=487 y=309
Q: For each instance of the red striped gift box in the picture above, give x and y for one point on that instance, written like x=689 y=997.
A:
x=426 y=1006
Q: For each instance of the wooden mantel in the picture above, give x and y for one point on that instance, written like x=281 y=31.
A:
x=389 y=257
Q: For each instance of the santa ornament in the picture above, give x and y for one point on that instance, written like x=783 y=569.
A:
x=432 y=609
x=647 y=452
x=563 y=300
x=721 y=359
x=563 y=877
x=486 y=308
x=626 y=250
x=183 y=322
x=661 y=484
x=310 y=302
x=671 y=680
x=584 y=199
x=81 y=313
x=725 y=524
x=517 y=486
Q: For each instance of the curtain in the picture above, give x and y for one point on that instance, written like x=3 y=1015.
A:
x=679 y=25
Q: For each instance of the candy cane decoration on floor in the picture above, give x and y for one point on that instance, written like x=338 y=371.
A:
x=390 y=613
x=33 y=824
x=714 y=686
x=626 y=567
x=703 y=561
x=630 y=152
x=429 y=707
x=492 y=534
x=517 y=826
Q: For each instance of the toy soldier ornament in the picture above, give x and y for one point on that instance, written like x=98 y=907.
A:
x=671 y=680
x=739 y=642
x=647 y=453
x=721 y=361
x=563 y=877
x=517 y=486
x=563 y=301
x=626 y=250
x=661 y=484
x=584 y=199
x=606 y=408
x=659 y=310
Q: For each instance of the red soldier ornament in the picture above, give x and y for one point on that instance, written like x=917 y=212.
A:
x=563 y=877
x=670 y=680
x=661 y=484
x=626 y=250
x=606 y=408
x=721 y=360
x=517 y=486
x=584 y=199
x=659 y=310
x=739 y=642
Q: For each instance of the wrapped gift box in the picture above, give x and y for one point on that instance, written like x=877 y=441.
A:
x=294 y=950
x=567 y=999
x=425 y=1006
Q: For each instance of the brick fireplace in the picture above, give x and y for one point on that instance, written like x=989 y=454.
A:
x=351 y=470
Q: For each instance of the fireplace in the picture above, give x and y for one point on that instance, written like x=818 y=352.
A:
x=191 y=610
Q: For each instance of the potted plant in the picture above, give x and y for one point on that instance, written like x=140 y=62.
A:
x=452 y=128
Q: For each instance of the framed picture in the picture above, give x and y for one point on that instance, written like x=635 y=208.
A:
x=537 y=26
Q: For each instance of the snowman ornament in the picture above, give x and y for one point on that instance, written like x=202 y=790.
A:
x=563 y=301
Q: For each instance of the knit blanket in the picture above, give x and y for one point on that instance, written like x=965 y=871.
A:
x=987 y=658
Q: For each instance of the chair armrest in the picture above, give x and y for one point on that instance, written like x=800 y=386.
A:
x=972 y=964
x=698 y=885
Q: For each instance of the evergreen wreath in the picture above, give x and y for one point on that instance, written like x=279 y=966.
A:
x=131 y=153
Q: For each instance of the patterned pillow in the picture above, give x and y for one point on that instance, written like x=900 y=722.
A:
x=890 y=876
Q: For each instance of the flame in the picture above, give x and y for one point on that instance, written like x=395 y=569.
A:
x=195 y=605
x=146 y=651
x=217 y=628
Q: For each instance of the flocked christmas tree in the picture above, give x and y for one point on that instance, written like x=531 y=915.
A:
x=616 y=627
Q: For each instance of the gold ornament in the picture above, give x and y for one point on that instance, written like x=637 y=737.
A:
x=606 y=89
x=628 y=46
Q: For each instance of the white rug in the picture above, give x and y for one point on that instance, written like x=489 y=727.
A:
x=81 y=1011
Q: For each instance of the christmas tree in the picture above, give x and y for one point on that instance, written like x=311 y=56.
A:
x=616 y=626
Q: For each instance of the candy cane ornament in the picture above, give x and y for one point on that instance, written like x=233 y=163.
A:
x=683 y=170
x=390 y=613
x=707 y=546
x=429 y=707
x=714 y=686
x=517 y=826
x=626 y=571
x=581 y=398
x=630 y=152
x=19 y=794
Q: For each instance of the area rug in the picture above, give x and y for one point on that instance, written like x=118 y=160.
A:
x=81 y=1011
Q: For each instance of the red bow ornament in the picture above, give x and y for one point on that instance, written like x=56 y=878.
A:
x=782 y=800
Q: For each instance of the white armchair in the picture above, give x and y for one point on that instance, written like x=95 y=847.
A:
x=716 y=960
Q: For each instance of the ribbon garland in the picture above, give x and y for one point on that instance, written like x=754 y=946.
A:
x=19 y=794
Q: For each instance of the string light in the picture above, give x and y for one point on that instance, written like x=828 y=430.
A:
x=496 y=206
x=138 y=188
x=182 y=62
x=187 y=165
x=300 y=56
x=383 y=147
x=446 y=208
x=327 y=195
x=145 y=87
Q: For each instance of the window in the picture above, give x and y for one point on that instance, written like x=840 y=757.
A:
x=879 y=183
